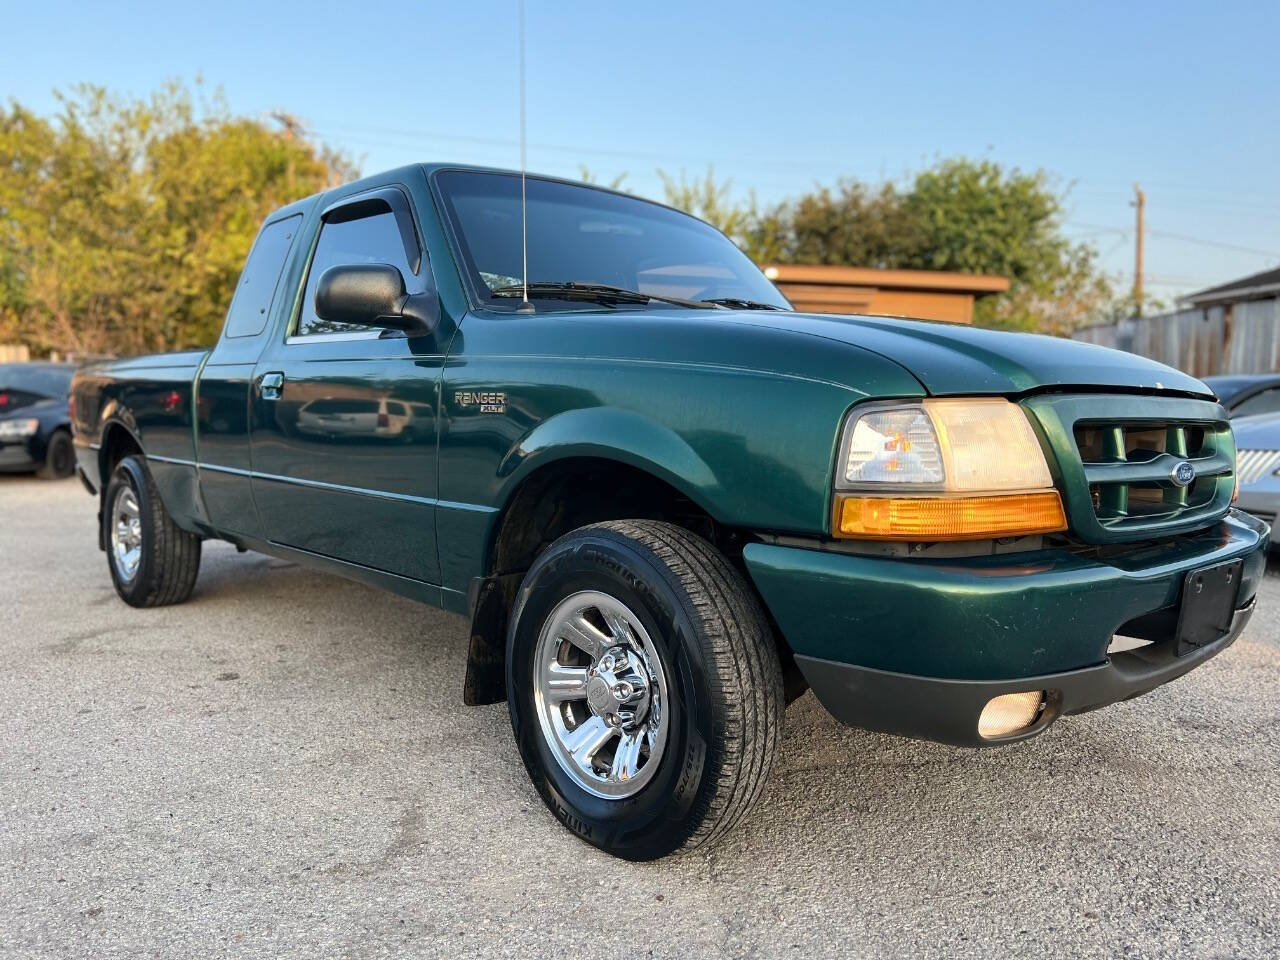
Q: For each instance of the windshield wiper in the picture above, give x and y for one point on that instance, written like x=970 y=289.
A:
x=594 y=292
x=740 y=304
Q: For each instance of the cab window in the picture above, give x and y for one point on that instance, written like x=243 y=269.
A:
x=251 y=304
x=372 y=239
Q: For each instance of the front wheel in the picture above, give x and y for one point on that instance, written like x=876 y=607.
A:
x=153 y=561
x=644 y=688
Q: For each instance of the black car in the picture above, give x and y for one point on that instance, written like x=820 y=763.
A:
x=35 y=422
x=1247 y=395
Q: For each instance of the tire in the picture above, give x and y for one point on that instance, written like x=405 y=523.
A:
x=59 y=457
x=163 y=570
x=714 y=736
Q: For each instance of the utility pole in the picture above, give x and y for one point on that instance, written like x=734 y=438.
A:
x=1139 y=203
x=293 y=130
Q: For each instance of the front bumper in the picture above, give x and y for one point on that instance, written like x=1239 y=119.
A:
x=948 y=710
x=20 y=456
x=1262 y=500
x=917 y=647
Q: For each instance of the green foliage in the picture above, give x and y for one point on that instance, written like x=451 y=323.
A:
x=124 y=224
x=587 y=175
x=971 y=216
x=852 y=224
x=707 y=200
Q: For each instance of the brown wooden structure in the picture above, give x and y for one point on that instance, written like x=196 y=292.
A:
x=927 y=294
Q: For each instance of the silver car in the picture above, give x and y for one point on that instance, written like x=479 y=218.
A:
x=1258 y=465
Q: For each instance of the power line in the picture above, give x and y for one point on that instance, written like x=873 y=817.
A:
x=1224 y=201
x=1213 y=243
x=343 y=131
x=399 y=137
x=1216 y=206
x=1164 y=186
x=1186 y=238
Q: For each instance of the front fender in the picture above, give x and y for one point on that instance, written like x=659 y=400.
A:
x=611 y=433
x=750 y=446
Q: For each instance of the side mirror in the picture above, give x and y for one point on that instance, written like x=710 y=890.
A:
x=373 y=295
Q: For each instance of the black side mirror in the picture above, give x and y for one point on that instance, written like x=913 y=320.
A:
x=373 y=295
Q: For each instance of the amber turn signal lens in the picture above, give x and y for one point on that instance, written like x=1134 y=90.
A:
x=949 y=518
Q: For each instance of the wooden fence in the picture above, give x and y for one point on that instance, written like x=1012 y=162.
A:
x=1237 y=338
x=13 y=353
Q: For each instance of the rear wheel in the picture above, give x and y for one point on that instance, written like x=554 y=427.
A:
x=644 y=687
x=153 y=562
x=59 y=457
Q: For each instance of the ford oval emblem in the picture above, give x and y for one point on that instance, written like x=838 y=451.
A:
x=1183 y=473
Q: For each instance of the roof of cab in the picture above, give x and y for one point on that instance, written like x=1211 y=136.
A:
x=326 y=197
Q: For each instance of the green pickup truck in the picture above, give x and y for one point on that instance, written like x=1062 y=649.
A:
x=667 y=502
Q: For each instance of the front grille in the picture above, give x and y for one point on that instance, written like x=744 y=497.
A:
x=1117 y=457
x=1130 y=467
x=1253 y=465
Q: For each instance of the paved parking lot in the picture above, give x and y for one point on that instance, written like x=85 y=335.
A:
x=283 y=766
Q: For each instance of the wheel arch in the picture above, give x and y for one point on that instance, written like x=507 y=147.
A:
x=575 y=485
x=118 y=442
x=616 y=435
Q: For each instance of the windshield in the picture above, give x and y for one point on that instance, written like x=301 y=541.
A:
x=583 y=235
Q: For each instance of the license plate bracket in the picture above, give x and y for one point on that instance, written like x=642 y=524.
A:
x=1208 y=605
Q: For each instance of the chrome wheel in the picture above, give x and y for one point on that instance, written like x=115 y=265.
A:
x=126 y=534
x=600 y=695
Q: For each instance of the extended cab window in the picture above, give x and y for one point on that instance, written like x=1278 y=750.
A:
x=581 y=234
x=376 y=238
x=252 y=302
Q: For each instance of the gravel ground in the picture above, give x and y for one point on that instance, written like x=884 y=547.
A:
x=283 y=766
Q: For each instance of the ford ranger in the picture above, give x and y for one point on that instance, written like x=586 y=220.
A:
x=668 y=503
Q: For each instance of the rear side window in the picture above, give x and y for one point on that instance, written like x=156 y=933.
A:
x=252 y=302
x=373 y=239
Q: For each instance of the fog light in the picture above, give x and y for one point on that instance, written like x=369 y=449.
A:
x=1009 y=713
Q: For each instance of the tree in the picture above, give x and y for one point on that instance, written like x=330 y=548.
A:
x=853 y=224
x=587 y=175
x=706 y=199
x=124 y=224
x=976 y=217
x=964 y=215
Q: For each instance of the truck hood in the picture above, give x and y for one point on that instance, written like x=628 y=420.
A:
x=954 y=359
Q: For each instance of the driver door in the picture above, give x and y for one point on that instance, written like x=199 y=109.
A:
x=344 y=441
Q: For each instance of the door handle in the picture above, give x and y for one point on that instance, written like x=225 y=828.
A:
x=270 y=386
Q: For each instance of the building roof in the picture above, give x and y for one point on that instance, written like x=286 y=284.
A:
x=922 y=294
x=974 y=283
x=1246 y=288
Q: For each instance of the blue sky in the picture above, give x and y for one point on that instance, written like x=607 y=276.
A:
x=1184 y=98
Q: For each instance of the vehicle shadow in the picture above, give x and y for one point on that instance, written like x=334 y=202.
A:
x=912 y=799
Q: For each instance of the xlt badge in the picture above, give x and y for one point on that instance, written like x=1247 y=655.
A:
x=489 y=401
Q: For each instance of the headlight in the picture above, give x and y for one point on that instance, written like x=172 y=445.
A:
x=17 y=429
x=943 y=470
